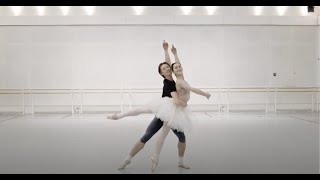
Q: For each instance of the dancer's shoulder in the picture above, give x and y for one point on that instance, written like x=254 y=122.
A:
x=182 y=83
x=166 y=81
x=169 y=86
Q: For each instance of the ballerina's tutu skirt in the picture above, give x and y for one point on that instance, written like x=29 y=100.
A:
x=176 y=117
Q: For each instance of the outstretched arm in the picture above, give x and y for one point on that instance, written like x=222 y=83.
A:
x=200 y=92
x=174 y=51
x=186 y=86
x=166 y=53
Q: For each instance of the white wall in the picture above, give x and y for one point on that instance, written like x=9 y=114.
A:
x=107 y=56
x=115 y=56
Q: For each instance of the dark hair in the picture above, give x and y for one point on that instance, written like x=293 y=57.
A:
x=173 y=64
x=159 y=67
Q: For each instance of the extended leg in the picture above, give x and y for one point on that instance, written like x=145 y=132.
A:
x=134 y=112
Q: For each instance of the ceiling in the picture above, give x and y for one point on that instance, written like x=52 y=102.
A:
x=156 y=10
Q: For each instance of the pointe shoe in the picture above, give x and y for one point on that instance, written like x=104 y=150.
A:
x=125 y=163
x=114 y=116
x=182 y=165
x=154 y=164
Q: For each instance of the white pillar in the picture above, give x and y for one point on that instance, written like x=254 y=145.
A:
x=81 y=107
x=275 y=99
x=267 y=94
x=23 y=110
x=72 y=108
x=32 y=103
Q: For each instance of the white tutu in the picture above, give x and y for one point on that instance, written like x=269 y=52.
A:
x=176 y=117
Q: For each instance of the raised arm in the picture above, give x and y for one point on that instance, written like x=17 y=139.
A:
x=166 y=53
x=175 y=53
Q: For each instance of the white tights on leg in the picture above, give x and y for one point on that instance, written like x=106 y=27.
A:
x=162 y=134
x=133 y=112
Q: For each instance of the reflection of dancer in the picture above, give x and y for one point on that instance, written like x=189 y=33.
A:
x=181 y=116
x=169 y=90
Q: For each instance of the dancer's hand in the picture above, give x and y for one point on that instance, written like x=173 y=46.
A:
x=165 y=45
x=208 y=96
x=173 y=50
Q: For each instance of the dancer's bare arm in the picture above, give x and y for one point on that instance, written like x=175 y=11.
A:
x=177 y=100
x=200 y=92
x=166 y=53
x=186 y=86
x=175 y=53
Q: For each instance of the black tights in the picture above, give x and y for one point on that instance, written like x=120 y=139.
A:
x=154 y=127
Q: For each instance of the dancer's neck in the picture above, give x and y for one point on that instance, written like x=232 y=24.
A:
x=169 y=77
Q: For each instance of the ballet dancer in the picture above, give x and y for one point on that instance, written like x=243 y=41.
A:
x=176 y=117
x=183 y=90
x=169 y=90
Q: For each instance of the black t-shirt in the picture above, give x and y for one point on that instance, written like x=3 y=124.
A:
x=168 y=87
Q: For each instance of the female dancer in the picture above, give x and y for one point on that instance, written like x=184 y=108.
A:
x=183 y=90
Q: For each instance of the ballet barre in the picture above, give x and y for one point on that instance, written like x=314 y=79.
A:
x=277 y=91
